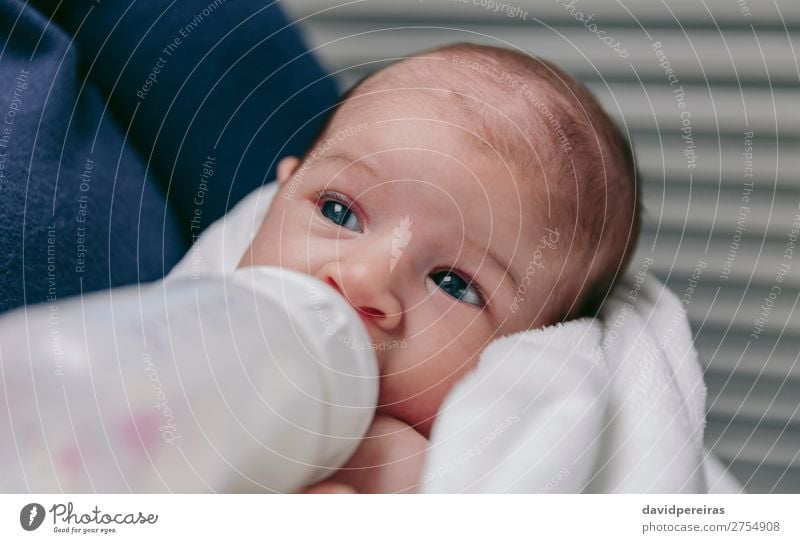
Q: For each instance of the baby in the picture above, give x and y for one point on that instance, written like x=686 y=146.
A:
x=459 y=195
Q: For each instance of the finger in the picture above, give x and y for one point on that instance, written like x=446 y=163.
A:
x=330 y=487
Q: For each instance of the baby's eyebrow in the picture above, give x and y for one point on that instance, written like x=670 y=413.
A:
x=350 y=161
x=493 y=257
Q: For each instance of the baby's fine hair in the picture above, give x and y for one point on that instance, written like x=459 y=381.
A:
x=547 y=126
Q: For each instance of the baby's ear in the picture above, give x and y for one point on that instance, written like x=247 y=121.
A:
x=286 y=168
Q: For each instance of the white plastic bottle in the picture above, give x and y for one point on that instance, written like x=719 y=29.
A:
x=261 y=381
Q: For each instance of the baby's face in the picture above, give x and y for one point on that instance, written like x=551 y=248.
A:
x=426 y=232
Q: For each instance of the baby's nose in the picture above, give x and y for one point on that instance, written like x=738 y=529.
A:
x=367 y=290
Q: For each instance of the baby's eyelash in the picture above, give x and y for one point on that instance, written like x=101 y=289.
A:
x=472 y=283
x=333 y=195
x=324 y=196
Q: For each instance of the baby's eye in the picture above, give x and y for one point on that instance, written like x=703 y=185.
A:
x=458 y=288
x=338 y=213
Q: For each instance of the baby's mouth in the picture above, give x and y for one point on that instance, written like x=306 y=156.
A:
x=369 y=322
x=370 y=312
x=374 y=331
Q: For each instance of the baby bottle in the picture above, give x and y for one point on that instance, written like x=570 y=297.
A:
x=259 y=381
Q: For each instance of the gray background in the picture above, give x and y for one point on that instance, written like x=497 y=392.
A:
x=740 y=73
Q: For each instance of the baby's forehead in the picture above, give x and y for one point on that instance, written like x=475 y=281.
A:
x=514 y=111
x=490 y=126
x=499 y=124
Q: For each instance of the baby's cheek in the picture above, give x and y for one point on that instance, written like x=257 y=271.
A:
x=416 y=380
x=285 y=245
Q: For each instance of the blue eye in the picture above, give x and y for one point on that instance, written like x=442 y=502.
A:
x=458 y=288
x=339 y=214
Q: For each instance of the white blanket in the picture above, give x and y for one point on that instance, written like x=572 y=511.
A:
x=615 y=404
